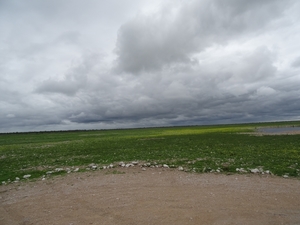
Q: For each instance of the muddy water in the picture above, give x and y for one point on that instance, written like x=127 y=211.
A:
x=277 y=130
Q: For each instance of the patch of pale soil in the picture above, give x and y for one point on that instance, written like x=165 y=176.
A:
x=154 y=196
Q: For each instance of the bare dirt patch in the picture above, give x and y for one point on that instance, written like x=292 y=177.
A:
x=154 y=196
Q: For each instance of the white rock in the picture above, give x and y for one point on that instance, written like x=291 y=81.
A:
x=135 y=162
x=285 y=176
x=3 y=182
x=17 y=178
x=111 y=165
x=129 y=165
x=267 y=172
x=165 y=166
x=241 y=170
x=59 y=169
x=76 y=170
x=104 y=167
x=43 y=178
x=94 y=167
x=26 y=176
x=92 y=164
x=255 y=170
x=218 y=171
x=121 y=164
x=49 y=172
x=180 y=168
x=143 y=169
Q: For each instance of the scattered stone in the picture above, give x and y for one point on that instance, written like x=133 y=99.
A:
x=94 y=167
x=165 y=166
x=3 y=182
x=26 y=176
x=267 y=172
x=17 y=179
x=255 y=170
x=111 y=165
x=129 y=165
x=180 y=168
x=285 y=176
x=218 y=171
x=143 y=168
x=76 y=170
x=91 y=165
x=43 y=178
x=122 y=164
x=87 y=168
x=49 y=172
x=104 y=167
x=59 y=169
x=242 y=170
x=135 y=162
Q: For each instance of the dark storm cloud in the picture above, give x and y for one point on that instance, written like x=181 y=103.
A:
x=74 y=79
x=174 y=35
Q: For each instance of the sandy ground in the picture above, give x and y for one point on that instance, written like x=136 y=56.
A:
x=154 y=196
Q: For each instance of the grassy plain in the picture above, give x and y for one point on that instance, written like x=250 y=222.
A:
x=198 y=148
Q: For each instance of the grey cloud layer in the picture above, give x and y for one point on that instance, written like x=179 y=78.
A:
x=196 y=62
x=151 y=42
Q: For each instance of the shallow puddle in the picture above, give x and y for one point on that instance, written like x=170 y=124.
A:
x=278 y=130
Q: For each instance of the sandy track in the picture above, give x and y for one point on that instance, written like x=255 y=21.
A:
x=155 y=196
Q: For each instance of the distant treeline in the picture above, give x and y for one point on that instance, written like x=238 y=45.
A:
x=272 y=123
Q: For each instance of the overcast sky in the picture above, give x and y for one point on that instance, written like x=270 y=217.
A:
x=99 y=64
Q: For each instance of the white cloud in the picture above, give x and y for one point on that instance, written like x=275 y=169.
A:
x=10 y=115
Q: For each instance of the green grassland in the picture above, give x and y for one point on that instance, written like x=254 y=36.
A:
x=196 y=148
